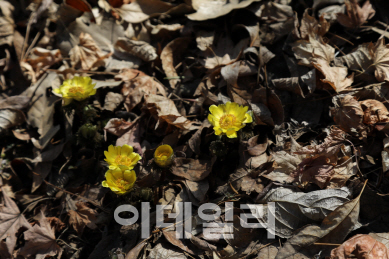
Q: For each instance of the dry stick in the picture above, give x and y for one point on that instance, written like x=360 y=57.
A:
x=87 y=72
x=32 y=44
x=337 y=36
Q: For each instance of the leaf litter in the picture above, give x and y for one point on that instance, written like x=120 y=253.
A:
x=304 y=86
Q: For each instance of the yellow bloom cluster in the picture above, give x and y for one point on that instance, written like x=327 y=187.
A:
x=120 y=177
x=229 y=118
x=78 y=88
x=163 y=155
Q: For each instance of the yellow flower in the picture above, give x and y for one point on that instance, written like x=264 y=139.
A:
x=229 y=118
x=163 y=155
x=120 y=180
x=121 y=156
x=78 y=88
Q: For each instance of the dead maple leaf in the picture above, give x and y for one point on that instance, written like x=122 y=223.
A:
x=336 y=77
x=136 y=85
x=40 y=240
x=11 y=220
x=361 y=247
x=83 y=216
x=307 y=50
x=381 y=60
x=374 y=112
x=87 y=54
x=348 y=114
x=356 y=16
x=311 y=27
x=39 y=61
x=166 y=111
x=192 y=169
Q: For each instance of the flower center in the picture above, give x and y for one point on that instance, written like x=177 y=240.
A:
x=121 y=183
x=123 y=160
x=163 y=155
x=76 y=89
x=226 y=121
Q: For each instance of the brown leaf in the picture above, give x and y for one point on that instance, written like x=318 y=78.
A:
x=255 y=148
x=333 y=229
x=83 y=216
x=374 y=112
x=135 y=251
x=361 y=247
x=334 y=76
x=330 y=146
x=132 y=136
x=11 y=220
x=381 y=60
x=315 y=170
x=39 y=61
x=290 y=84
x=310 y=26
x=348 y=114
x=250 y=184
x=356 y=16
x=136 y=85
x=171 y=237
x=169 y=55
x=87 y=54
x=41 y=241
x=141 y=10
x=306 y=50
x=112 y=101
x=117 y=127
x=192 y=169
x=208 y=9
x=10 y=118
x=140 y=49
x=165 y=110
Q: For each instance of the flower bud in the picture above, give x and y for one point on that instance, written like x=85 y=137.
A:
x=163 y=156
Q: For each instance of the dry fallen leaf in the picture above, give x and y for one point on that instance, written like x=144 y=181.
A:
x=11 y=221
x=39 y=61
x=140 y=49
x=306 y=50
x=311 y=27
x=356 y=16
x=381 y=60
x=82 y=217
x=361 y=247
x=87 y=54
x=136 y=85
x=165 y=110
x=192 y=169
x=374 y=112
x=40 y=240
x=348 y=114
x=336 y=77
x=208 y=9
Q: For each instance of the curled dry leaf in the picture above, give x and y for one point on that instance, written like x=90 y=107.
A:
x=208 y=9
x=39 y=61
x=7 y=26
x=381 y=60
x=87 y=54
x=361 y=247
x=41 y=241
x=165 y=111
x=374 y=112
x=140 y=49
x=356 y=16
x=169 y=55
x=295 y=209
x=140 y=10
x=333 y=229
x=348 y=114
x=117 y=126
x=136 y=85
x=82 y=217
